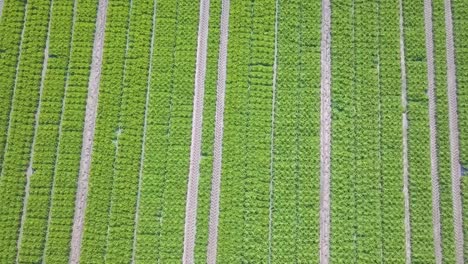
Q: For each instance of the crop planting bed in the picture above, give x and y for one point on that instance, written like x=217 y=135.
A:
x=168 y=131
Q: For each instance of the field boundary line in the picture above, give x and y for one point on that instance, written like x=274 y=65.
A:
x=454 y=134
x=145 y=126
x=88 y=133
x=195 y=147
x=325 y=133
x=15 y=84
x=404 y=120
x=57 y=150
x=433 y=130
x=29 y=171
x=218 y=140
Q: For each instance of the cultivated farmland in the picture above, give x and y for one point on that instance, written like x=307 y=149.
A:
x=222 y=131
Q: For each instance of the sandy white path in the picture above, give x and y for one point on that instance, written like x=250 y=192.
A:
x=88 y=133
x=325 y=133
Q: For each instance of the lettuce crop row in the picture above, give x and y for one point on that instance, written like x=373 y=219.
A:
x=57 y=148
x=244 y=202
x=296 y=147
x=460 y=17
x=209 y=108
x=107 y=134
x=443 y=141
x=422 y=240
x=21 y=125
x=160 y=232
x=343 y=167
x=128 y=133
x=367 y=203
x=128 y=141
x=47 y=132
x=11 y=25
x=62 y=202
x=367 y=126
x=391 y=145
x=460 y=20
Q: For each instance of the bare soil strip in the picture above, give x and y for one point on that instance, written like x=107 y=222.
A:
x=88 y=133
x=405 y=139
x=145 y=126
x=272 y=140
x=433 y=130
x=195 y=148
x=454 y=137
x=218 y=140
x=325 y=133
x=29 y=171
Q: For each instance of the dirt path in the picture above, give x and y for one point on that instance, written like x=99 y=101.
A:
x=218 y=140
x=88 y=133
x=454 y=137
x=325 y=133
x=195 y=148
x=433 y=130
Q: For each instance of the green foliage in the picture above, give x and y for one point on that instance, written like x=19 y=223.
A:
x=443 y=130
x=107 y=133
x=367 y=202
x=460 y=20
x=44 y=150
x=391 y=143
x=244 y=205
x=160 y=231
x=11 y=25
x=21 y=123
x=343 y=214
x=422 y=240
x=68 y=158
x=296 y=156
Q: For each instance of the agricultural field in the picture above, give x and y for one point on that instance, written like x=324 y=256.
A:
x=222 y=131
